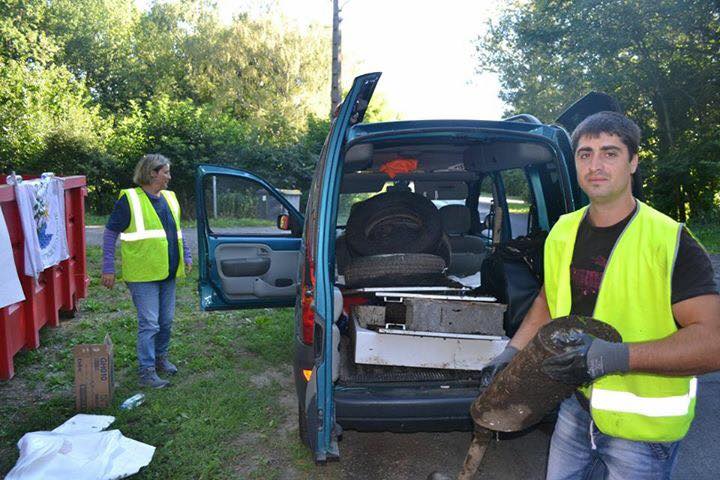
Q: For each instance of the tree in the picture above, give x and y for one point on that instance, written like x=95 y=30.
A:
x=97 y=44
x=88 y=87
x=658 y=58
x=336 y=75
x=21 y=36
x=260 y=70
x=45 y=111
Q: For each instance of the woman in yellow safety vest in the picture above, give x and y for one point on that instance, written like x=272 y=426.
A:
x=147 y=220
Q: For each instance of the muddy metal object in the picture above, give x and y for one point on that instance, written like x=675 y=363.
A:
x=475 y=453
x=521 y=395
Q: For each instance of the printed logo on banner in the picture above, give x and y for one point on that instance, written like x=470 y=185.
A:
x=41 y=214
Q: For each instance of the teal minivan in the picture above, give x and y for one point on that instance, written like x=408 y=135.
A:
x=493 y=184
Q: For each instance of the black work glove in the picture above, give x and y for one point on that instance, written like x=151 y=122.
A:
x=491 y=370
x=584 y=358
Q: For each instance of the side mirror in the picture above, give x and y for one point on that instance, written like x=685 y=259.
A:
x=287 y=223
x=283 y=222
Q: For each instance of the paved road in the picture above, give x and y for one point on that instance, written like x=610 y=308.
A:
x=94 y=233
x=413 y=456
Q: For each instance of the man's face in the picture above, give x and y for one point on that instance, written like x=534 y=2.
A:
x=604 y=167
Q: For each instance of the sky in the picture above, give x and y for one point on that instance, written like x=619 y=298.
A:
x=424 y=49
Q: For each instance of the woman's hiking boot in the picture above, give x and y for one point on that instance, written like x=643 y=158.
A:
x=162 y=364
x=149 y=378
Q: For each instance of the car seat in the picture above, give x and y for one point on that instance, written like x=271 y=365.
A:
x=467 y=251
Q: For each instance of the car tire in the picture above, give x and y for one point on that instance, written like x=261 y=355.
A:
x=394 y=222
x=395 y=270
x=343 y=255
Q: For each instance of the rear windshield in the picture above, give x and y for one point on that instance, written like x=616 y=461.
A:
x=460 y=174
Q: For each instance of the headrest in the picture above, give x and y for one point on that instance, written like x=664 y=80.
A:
x=358 y=157
x=456 y=219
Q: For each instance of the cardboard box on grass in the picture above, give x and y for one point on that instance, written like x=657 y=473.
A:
x=94 y=375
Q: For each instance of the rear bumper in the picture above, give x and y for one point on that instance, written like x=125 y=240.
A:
x=403 y=409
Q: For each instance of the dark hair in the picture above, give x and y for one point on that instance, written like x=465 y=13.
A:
x=612 y=123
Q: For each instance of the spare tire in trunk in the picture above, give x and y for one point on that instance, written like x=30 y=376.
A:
x=342 y=254
x=395 y=270
x=394 y=222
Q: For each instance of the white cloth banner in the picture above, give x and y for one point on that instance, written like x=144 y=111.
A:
x=79 y=450
x=42 y=213
x=10 y=289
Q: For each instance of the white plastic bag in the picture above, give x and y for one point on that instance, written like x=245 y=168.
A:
x=80 y=450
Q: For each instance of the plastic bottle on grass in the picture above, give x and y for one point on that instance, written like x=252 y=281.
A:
x=133 y=401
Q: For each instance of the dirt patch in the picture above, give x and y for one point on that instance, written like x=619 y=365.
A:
x=267 y=378
x=272 y=451
x=17 y=392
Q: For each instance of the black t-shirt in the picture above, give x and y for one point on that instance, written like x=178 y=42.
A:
x=692 y=275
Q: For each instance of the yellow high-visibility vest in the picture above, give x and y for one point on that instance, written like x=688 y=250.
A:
x=635 y=297
x=144 y=244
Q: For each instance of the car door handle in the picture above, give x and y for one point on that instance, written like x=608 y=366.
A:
x=245 y=267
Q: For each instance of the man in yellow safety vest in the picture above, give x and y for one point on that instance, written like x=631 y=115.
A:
x=628 y=265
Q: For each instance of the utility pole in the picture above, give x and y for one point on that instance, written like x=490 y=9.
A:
x=336 y=59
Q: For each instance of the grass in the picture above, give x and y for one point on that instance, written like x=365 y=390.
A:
x=709 y=236
x=93 y=219
x=513 y=208
x=230 y=412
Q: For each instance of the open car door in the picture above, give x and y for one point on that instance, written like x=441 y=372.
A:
x=320 y=238
x=246 y=259
x=591 y=103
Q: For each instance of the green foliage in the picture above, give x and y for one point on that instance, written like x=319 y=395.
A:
x=89 y=87
x=658 y=58
x=516 y=184
x=20 y=36
x=98 y=44
x=379 y=110
x=48 y=123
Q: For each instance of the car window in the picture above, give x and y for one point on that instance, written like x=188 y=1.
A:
x=485 y=202
x=552 y=191
x=236 y=206
x=347 y=200
x=517 y=192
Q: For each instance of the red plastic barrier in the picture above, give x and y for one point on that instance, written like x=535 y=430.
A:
x=58 y=288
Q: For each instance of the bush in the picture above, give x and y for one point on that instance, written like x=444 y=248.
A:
x=47 y=123
x=190 y=135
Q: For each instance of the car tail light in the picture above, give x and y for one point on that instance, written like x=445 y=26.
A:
x=307 y=291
